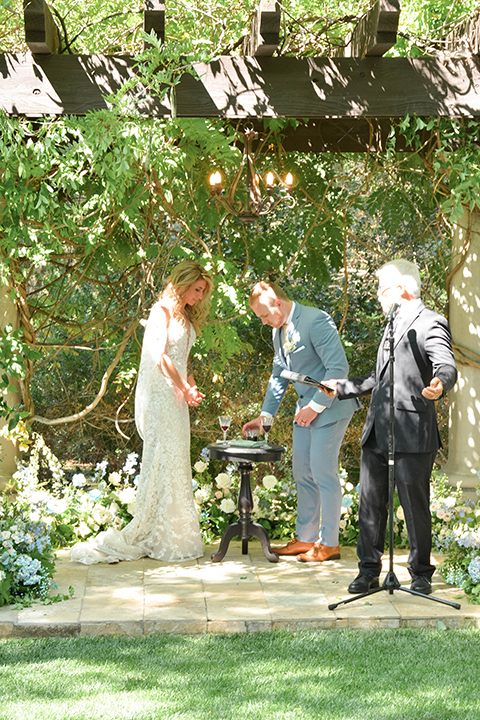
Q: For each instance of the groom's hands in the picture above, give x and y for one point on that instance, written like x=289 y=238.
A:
x=305 y=416
x=255 y=424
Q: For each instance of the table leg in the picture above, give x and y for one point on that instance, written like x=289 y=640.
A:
x=245 y=527
x=228 y=534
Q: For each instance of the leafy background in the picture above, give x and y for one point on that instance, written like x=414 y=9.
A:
x=96 y=210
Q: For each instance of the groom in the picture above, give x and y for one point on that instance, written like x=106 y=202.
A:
x=306 y=341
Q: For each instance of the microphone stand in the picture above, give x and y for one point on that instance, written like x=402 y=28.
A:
x=391 y=581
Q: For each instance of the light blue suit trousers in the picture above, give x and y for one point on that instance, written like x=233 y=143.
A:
x=315 y=469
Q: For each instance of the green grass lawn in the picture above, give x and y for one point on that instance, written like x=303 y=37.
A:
x=334 y=675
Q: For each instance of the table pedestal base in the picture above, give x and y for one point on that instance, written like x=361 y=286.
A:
x=245 y=528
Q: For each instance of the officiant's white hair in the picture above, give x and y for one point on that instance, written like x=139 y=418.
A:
x=407 y=272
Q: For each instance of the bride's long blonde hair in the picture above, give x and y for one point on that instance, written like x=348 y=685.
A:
x=182 y=277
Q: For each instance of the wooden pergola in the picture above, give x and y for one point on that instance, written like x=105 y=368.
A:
x=344 y=103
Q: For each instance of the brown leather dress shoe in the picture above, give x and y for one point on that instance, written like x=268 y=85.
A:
x=320 y=553
x=293 y=547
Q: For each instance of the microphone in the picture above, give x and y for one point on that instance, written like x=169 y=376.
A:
x=304 y=379
x=393 y=311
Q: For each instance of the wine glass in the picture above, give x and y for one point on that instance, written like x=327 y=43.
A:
x=267 y=423
x=225 y=422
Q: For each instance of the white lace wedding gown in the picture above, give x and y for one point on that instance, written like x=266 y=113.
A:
x=165 y=525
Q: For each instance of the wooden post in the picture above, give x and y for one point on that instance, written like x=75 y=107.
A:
x=464 y=301
x=41 y=33
x=375 y=33
x=8 y=450
x=265 y=30
x=154 y=18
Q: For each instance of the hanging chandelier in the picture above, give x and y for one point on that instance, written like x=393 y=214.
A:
x=257 y=204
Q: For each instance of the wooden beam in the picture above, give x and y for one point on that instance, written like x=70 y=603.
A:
x=41 y=33
x=246 y=87
x=375 y=33
x=466 y=37
x=265 y=30
x=154 y=18
x=346 y=135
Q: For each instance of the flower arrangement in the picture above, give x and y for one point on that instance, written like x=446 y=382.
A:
x=69 y=506
x=274 y=503
x=77 y=505
x=27 y=560
x=456 y=534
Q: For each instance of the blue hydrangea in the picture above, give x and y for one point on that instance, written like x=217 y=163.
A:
x=474 y=569
x=28 y=568
x=5 y=558
x=456 y=576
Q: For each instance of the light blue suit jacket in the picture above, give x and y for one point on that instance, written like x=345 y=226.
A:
x=313 y=348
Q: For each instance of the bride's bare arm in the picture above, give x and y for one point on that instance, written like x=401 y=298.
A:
x=190 y=393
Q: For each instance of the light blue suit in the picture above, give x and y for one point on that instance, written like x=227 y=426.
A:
x=313 y=348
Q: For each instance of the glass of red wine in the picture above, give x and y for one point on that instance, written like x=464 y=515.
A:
x=267 y=423
x=225 y=422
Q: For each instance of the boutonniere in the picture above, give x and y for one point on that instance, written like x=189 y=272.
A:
x=291 y=339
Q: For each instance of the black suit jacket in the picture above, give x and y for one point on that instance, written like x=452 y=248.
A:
x=423 y=350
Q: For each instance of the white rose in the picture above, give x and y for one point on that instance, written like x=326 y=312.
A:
x=83 y=529
x=349 y=487
x=6 y=534
x=127 y=495
x=269 y=482
x=79 y=480
x=200 y=466
x=57 y=505
x=227 y=505
x=200 y=496
x=223 y=481
x=115 y=478
x=131 y=507
x=400 y=513
x=101 y=515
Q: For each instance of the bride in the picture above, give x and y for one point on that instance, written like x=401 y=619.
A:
x=165 y=525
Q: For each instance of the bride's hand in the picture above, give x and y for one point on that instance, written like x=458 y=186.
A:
x=193 y=396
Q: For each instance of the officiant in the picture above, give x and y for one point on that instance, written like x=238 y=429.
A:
x=306 y=341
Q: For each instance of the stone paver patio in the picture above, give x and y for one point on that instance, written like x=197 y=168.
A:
x=243 y=593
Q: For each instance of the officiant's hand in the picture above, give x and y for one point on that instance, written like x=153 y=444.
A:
x=305 y=416
x=332 y=387
x=434 y=390
x=193 y=396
